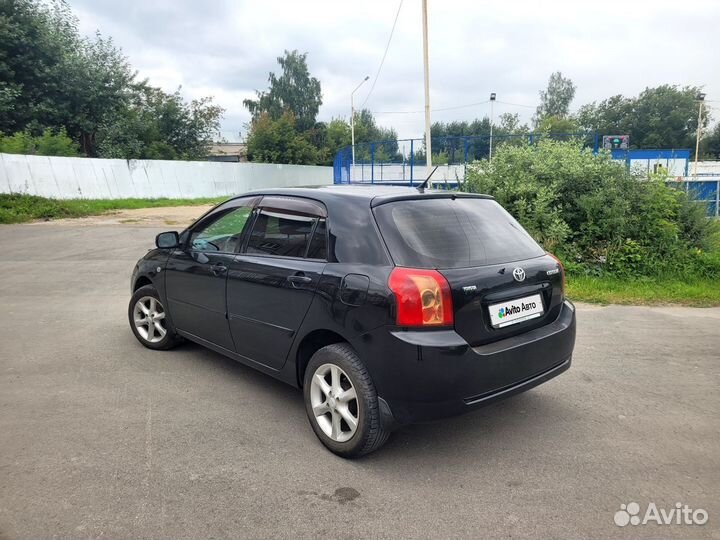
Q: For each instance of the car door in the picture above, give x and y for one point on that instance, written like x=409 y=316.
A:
x=196 y=274
x=271 y=284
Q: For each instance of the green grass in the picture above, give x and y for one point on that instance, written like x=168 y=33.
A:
x=15 y=208
x=698 y=292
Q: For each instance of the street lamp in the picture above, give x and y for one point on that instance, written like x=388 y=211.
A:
x=352 y=117
x=426 y=81
x=700 y=98
x=492 y=103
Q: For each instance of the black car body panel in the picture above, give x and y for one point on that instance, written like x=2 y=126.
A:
x=451 y=377
x=475 y=289
x=271 y=311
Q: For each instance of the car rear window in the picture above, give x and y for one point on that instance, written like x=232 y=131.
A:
x=453 y=233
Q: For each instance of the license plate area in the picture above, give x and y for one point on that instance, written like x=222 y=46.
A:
x=516 y=311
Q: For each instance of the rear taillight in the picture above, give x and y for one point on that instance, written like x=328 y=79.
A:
x=423 y=297
x=562 y=270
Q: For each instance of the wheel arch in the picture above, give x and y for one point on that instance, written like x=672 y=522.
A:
x=310 y=344
x=141 y=281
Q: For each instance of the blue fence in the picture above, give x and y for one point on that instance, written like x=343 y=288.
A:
x=404 y=161
x=703 y=191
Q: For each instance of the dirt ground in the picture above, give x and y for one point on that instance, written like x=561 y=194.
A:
x=177 y=217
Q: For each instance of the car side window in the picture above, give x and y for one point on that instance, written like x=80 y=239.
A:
x=278 y=234
x=223 y=234
x=318 y=245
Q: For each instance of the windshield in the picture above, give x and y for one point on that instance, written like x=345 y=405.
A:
x=453 y=233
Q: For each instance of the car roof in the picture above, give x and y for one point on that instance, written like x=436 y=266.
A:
x=370 y=194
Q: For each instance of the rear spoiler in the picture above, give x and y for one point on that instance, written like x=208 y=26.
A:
x=384 y=199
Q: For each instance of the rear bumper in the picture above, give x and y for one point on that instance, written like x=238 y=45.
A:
x=423 y=376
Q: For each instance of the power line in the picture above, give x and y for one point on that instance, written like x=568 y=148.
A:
x=387 y=47
x=517 y=104
x=467 y=105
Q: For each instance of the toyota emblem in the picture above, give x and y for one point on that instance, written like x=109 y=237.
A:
x=519 y=274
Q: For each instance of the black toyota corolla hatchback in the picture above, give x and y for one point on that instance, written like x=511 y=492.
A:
x=385 y=305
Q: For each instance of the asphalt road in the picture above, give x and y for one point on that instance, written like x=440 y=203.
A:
x=100 y=437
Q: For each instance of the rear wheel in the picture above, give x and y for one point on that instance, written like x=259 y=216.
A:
x=341 y=402
x=149 y=321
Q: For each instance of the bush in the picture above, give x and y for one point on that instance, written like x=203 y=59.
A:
x=47 y=144
x=598 y=216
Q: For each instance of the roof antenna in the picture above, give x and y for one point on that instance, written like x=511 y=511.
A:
x=421 y=187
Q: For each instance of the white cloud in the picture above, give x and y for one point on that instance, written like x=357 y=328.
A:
x=226 y=49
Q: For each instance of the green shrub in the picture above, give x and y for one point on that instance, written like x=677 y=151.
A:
x=598 y=216
x=47 y=144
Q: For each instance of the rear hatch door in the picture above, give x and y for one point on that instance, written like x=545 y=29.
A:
x=491 y=302
x=503 y=283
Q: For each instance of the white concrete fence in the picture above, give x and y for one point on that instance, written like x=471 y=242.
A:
x=86 y=178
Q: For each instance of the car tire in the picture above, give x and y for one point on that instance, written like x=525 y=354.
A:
x=149 y=322
x=338 y=391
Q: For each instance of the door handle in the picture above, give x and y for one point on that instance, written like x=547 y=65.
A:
x=218 y=269
x=299 y=279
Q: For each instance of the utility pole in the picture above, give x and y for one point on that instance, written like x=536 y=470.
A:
x=352 y=117
x=701 y=99
x=492 y=117
x=426 y=69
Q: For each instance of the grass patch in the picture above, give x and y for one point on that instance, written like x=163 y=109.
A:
x=697 y=292
x=15 y=208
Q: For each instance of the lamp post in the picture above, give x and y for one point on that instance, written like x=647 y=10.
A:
x=700 y=99
x=352 y=117
x=492 y=103
x=426 y=77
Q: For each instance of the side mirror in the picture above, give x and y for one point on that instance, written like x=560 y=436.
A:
x=167 y=240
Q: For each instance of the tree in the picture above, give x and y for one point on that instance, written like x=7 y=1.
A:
x=448 y=137
x=510 y=124
x=555 y=100
x=54 y=79
x=557 y=124
x=711 y=143
x=367 y=131
x=33 y=38
x=51 y=78
x=662 y=117
x=278 y=141
x=293 y=91
x=336 y=137
x=158 y=125
x=102 y=85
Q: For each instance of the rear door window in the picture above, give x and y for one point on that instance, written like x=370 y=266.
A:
x=453 y=233
x=318 y=244
x=280 y=235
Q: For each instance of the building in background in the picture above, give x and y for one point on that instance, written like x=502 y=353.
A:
x=232 y=152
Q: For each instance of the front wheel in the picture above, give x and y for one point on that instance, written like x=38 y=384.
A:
x=341 y=402
x=149 y=322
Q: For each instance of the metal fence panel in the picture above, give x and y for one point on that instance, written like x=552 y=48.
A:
x=405 y=160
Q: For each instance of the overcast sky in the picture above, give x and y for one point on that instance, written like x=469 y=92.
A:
x=226 y=49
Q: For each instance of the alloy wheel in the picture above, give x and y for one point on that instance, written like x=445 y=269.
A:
x=149 y=319
x=334 y=402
